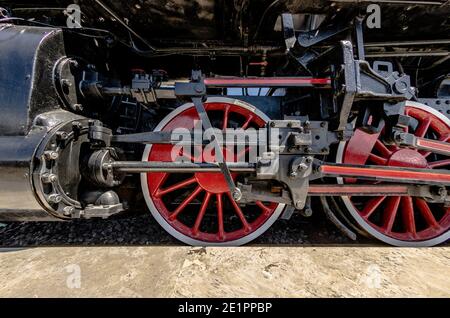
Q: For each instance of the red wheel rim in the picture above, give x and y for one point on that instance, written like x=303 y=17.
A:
x=199 y=205
x=410 y=219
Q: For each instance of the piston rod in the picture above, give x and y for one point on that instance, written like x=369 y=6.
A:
x=180 y=167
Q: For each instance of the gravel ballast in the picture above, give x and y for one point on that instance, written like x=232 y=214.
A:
x=142 y=229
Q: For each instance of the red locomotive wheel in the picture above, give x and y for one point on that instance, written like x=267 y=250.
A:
x=401 y=221
x=197 y=208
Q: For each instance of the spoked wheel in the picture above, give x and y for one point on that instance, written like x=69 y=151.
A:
x=197 y=208
x=400 y=221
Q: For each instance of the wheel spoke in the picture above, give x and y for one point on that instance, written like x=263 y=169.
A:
x=266 y=209
x=183 y=204
x=225 y=117
x=159 y=180
x=423 y=127
x=384 y=151
x=439 y=163
x=247 y=122
x=220 y=216
x=377 y=159
x=425 y=211
x=408 y=215
x=390 y=213
x=371 y=206
x=239 y=213
x=179 y=185
x=201 y=214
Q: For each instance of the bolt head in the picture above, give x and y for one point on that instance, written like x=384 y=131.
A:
x=77 y=107
x=62 y=135
x=299 y=204
x=307 y=212
x=66 y=83
x=51 y=155
x=49 y=178
x=68 y=210
x=54 y=198
x=74 y=63
x=237 y=194
x=198 y=88
x=302 y=166
x=76 y=125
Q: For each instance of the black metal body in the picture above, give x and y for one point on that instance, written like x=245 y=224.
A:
x=26 y=91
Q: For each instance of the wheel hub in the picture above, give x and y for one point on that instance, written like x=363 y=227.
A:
x=407 y=158
x=214 y=182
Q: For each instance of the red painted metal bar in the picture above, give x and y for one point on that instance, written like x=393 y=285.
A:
x=435 y=146
x=267 y=82
x=389 y=174
x=358 y=190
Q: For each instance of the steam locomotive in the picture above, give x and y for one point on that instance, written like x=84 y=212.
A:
x=224 y=116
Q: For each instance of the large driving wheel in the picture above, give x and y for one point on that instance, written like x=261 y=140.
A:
x=400 y=221
x=197 y=208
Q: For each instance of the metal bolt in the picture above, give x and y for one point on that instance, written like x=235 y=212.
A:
x=323 y=124
x=74 y=63
x=61 y=135
x=67 y=211
x=299 y=204
x=198 y=88
x=309 y=159
x=66 y=83
x=76 y=125
x=51 y=155
x=54 y=198
x=306 y=212
x=303 y=166
x=442 y=191
x=237 y=194
x=293 y=174
x=49 y=178
x=273 y=124
x=77 y=107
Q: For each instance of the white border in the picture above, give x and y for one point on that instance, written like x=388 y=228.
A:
x=178 y=235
